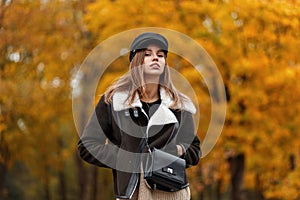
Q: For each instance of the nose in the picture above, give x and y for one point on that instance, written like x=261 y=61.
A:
x=155 y=57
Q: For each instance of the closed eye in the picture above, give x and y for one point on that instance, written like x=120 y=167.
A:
x=159 y=54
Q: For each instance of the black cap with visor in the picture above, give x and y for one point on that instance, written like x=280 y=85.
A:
x=143 y=40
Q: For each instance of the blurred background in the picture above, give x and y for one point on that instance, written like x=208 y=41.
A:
x=254 y=43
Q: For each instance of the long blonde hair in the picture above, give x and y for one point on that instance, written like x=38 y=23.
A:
x=133 y=82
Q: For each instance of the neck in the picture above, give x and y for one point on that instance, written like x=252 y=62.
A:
x=152 y=93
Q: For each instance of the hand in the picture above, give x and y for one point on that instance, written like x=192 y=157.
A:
x=179 y=150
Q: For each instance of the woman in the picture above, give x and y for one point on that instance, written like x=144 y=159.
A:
x=142 y=104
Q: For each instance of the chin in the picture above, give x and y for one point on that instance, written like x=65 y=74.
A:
x=154 y=73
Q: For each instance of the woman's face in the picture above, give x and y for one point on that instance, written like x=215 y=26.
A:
x=154 y=61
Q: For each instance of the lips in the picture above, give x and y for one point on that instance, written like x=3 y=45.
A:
x=155 y=66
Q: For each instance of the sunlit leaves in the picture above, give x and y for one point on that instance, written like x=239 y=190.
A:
x=255 y=44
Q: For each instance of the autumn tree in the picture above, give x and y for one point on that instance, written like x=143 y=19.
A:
x=42 y=43
x=254 y=43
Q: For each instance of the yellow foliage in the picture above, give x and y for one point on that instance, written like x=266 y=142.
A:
x=254 y=43
x=288 y=189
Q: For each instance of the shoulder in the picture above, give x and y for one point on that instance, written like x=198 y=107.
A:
x=102 y=104
x=184 y=102
x=188 y=105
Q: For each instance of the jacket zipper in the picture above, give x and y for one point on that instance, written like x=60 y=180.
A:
x=136 y=182
x=135 y=185
x=147 y=130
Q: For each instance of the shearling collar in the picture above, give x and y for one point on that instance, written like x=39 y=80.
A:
x=120 y=102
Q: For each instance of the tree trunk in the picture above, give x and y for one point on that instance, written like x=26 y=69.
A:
x=218 y=189
x=237 y=165
x=258 y=188
x=62 y=186
x=3 y=170
x=94 y=180
x=47 y=188
x=4 y=154
x=200 y=181
x=82 y=178
x=292 y=162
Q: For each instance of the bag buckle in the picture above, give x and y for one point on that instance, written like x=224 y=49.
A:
x=169 y=170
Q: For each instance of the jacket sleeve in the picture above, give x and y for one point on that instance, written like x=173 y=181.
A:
x=98 y=145
x=188 y=139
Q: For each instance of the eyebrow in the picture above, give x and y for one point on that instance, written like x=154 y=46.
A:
x=160 y=50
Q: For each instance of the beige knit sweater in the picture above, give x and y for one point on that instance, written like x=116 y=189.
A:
x=144 y=193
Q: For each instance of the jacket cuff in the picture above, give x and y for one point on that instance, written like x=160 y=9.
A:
x=183 y=151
